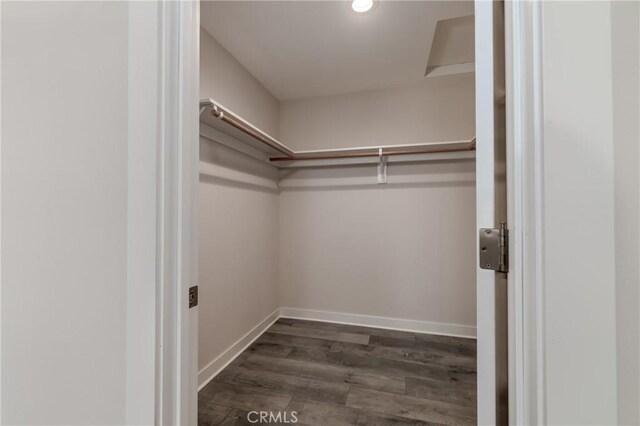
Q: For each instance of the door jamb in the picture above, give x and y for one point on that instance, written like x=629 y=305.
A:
x=523 y=29
x=177 y=180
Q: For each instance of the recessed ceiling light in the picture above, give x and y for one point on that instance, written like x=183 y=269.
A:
x=361 y=6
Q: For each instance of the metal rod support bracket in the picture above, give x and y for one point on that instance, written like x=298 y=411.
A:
x=382 y=168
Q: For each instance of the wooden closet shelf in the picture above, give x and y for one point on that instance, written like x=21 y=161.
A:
x=217 y=116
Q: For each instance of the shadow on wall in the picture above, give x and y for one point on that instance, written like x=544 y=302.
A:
x=236 y=183
x=436 y=174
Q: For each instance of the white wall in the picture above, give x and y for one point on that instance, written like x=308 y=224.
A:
x=238 y=243
x=578 y=199
x=438 y=109
x=238 y=215
x=224 y=79
x=405 y=250
x=402 y=250
x=626 y=138
x=64 y=212
x=260 y=250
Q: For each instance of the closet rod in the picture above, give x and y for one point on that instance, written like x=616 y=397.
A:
x=223 y=114
x=240 y=124
x=381 y=151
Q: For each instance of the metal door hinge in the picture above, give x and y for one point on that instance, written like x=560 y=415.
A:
x=193 y=296
x=494 y=248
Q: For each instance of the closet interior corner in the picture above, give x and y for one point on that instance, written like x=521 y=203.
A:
x=336 y=213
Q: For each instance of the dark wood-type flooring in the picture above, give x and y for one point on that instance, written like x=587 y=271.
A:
x=334 y=374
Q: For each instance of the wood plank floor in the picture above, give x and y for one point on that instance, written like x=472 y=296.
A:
x=334 y=374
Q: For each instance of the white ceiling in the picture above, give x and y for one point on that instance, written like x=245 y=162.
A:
x=302 y=49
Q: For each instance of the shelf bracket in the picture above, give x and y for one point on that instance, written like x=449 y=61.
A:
x=217 y=112
x=382 y=168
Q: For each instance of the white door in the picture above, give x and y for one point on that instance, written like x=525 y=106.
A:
x=491 y=210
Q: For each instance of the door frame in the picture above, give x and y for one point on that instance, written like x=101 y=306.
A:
x=526 y=335
x=171 y=30
x=176 y=325
x=177 y=356
x=524 y=145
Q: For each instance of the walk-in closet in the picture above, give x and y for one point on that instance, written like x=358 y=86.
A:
x=337 y=213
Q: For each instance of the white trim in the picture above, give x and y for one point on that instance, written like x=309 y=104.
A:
x=525 y=185
x=515 y=65
x=187 y=215
x=167 y=389
x=1 y=399
x=536 y=257
x=214 y=368
x=444 y=329
x=219 y=363
x=176 y=358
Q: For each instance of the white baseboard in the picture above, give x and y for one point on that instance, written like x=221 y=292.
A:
x=217 y=365
x=381 y=322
